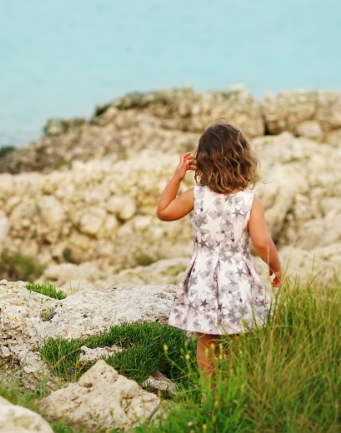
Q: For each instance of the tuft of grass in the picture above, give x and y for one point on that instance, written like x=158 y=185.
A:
x=15 y=267
x=46 y=289
x=142 y=354
x=144 y=260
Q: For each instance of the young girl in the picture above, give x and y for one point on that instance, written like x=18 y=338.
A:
x=221 y=291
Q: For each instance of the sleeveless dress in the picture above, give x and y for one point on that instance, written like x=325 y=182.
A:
x=221 y=291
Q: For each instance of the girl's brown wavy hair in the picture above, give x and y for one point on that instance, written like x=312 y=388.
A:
x=225 y=160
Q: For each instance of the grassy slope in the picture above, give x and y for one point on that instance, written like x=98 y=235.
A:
x=283 y=378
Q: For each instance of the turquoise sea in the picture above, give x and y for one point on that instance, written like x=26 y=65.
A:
x=58 y=58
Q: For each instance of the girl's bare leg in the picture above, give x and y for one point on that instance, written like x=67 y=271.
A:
x=206 y=349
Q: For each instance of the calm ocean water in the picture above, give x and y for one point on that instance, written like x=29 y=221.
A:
x=59 y=58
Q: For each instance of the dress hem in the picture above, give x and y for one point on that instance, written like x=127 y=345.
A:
x=211 y=333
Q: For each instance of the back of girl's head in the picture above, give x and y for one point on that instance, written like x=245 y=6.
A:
x=225 y=160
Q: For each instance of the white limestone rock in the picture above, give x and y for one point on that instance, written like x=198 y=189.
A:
x=18 y=419
x=90 y=311
x=21 y=312
x=102 y=398
x=88 y=355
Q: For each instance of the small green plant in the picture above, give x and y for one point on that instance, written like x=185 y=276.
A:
x=60 y=163
x=16 y=267
x=179 y=270
x=46 y=289
x=47 y=314
x=144 y=260
x=67 y=255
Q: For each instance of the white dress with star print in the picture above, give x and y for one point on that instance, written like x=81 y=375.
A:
x=221 y=291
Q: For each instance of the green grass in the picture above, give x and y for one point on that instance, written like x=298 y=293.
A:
x=142 y=354
x=17 y=267
x=284 y=378
x=46 y=289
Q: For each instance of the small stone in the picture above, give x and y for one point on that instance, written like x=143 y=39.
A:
x=88 y=355
x=123 y=207
x=102 y=398
x=17 y=419
x=159 y=381
x=310 y=129
x=91 y=220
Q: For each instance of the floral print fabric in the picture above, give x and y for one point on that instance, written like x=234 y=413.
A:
x=221 y=291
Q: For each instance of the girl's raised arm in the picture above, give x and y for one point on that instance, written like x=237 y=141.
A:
x=262 y=241
x=170 y=207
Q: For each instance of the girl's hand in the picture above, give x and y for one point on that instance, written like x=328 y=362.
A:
x=187 y=162
x=278 y=277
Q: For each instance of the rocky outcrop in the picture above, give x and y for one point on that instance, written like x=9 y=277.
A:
x=24 y=324
x=174 y=120
x=100 y=214
x=21 y=311
x=103 y=211
x=158 y=121
x=311 y=113
x=71 y=278
x=102 y=398
x=100 y=210
x=18 y=419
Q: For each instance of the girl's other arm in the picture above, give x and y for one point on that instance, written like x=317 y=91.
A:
x=170 y=207
x=262 y=241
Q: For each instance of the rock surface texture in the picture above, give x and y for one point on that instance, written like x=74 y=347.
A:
x=102 y=398
x=17 y=419
x=311 y=113
x=70 y=277
x=21 y=313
